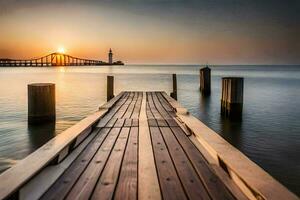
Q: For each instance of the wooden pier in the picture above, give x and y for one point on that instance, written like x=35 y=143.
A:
x=139 y=145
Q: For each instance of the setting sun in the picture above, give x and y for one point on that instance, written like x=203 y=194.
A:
x=61 y=50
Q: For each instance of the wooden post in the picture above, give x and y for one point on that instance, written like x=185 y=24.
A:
x=174 y=93
x=232 y=97
x=41 y=103
x=205 y=80
x=110 y=87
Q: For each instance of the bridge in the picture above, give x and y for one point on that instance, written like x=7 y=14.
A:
x=53 y=59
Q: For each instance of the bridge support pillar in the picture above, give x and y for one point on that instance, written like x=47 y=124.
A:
x=41 y=103
x=110 y=87
x=232 y=97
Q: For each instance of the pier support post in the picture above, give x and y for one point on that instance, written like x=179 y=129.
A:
x=205 y=80
x=41 y=103
x=110 y=87
x=174 y=93
x=232 y=97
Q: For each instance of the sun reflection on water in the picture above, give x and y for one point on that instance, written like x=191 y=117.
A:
x=62 y=69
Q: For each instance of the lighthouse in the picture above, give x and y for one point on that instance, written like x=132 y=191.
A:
x=110 y=57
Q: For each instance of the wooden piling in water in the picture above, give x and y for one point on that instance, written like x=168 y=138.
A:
x=205 y=80
x=232 y=97
x=110 y=87
x=174 y=93
x=41 y=103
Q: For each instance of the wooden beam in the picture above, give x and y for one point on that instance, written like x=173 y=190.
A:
x=110 y=87
x=148 y=186
x=250 y=178
x=232 y=97
x=38 y=185
x=41 y=103
x=174 y=80
x=15 y=177
x=205 y=80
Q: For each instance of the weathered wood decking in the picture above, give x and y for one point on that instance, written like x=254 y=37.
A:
x=139 y=149
x=108 y=167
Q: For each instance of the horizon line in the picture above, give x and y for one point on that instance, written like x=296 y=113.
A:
x=213 y=64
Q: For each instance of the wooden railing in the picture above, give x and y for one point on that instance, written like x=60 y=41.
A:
x=53 y=152
x=249 y=177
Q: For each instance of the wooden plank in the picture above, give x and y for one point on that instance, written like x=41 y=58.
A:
x=210 y=160
x=148 y=111
x=159 y=107
x=191 y=182
x=117 y=111
x=135 y=122
x=178 y=108
x=166 y=105
x=131 y=106
x=172 y=122
x=122 y=111
x=148 y=185
x=82 y=137
x=127 y=184
x=114 y=109
x=212 y=183
x=137 y=108
x=32 y=164
x=61 y=187
x=119 y=102
x=210 y=177
x=165 y=110
x=170 y=184
x=128 y=122
x=38 y=185
x=213 y=164
x=110 y=123
x=152 y=107
x=227 y=181
x=112 y=102
x=62 y=154
x=152 y=122
x=84 y=186
x=247 y=175
x=124 y=108
x=160 y=114
x=164 y=102
x=109 y=177
x=119 y=123
x=162 y=123
x=104 y=120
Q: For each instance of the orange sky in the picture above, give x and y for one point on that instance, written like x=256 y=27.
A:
x=144 y=33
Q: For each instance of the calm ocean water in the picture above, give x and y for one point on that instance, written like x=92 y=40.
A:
x=269 y=133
